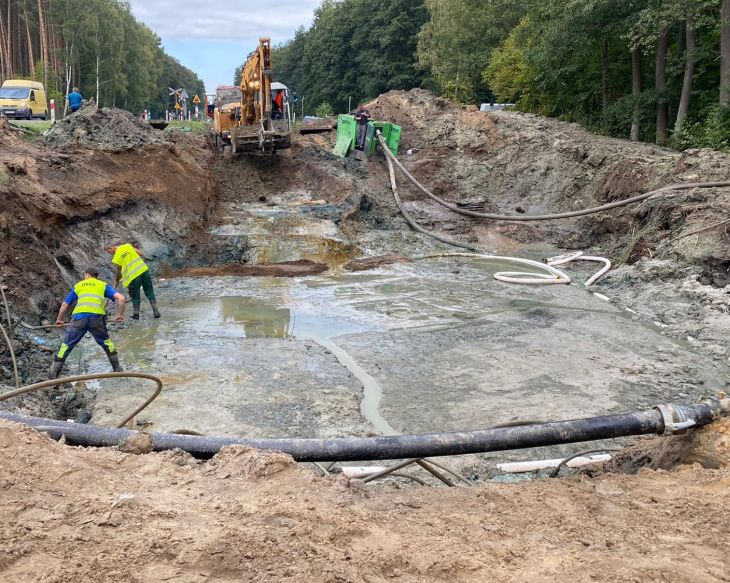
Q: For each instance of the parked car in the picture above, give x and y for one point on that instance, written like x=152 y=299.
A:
x=22 y=99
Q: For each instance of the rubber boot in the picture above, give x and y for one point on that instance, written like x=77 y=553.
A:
x=114 y=360
x=56 y=367
x=155 y=311
x=135 y=312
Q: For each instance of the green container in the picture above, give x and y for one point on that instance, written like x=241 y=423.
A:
x=391 y=135
x=346 y=134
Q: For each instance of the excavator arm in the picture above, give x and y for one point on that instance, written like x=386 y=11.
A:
x=256 y=85
x=248 y=126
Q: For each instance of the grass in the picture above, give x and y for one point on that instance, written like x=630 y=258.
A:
x=32 y=129
x=198 y=127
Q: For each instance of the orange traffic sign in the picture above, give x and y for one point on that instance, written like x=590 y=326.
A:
x=178 y=106
x=196 y=99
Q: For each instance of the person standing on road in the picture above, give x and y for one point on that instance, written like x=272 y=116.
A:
x=134 y=274
x=363 y=117
x=89 y=315
x=74 y=100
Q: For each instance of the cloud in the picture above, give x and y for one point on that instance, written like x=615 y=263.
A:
x=231 y=20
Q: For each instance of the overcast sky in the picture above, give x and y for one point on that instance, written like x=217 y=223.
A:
x=212 y=38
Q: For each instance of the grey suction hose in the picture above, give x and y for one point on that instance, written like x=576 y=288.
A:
x=550 y=217
x=414 y=225
x=88 y=377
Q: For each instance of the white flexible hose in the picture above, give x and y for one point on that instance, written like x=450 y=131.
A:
x=568 y=257
x=551 y=277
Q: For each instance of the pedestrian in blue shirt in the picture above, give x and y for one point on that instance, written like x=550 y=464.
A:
x=74 y=99
x=89 y=315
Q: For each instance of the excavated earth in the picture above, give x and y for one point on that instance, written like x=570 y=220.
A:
x=295 y=241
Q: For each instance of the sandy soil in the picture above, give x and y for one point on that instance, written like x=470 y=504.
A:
x=75 y=515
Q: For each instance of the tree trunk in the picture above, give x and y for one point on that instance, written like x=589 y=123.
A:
x=725 y=54
x=6 y=70
x=604 y=74
x=44 y=42
x=636 y=92
x=98 y=63
x=660 y=84
x=689 y=71
x=31 y=60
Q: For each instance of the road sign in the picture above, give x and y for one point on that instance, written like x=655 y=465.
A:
x=196 y=100
x=178 y=106
x=183 y=94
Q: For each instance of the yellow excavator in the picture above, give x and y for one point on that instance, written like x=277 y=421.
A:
x=260 y=122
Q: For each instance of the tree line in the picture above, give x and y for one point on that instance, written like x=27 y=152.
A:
x=651 y=70
x=96 y=45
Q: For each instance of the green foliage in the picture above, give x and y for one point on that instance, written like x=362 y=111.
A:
x=354 y=50
x=324 y=109
x=101 y=48
x=712 y=130
x=456 y=43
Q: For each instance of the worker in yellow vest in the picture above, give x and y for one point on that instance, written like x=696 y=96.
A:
x=134 y=274
x=89 y=315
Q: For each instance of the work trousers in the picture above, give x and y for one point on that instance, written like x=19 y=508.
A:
x=77 y=329
x=143 y=281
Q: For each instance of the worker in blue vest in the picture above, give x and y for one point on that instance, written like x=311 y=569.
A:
x=89 y=315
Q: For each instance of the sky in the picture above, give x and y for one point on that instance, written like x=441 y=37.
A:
x=212 y=38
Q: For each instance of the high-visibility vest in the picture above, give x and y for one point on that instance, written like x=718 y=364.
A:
x=131 y=263
x=91 y=297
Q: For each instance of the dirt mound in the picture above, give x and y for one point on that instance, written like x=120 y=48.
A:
x=251 y=516
x=284 y=269
x=709 y=448
x=367 y=263
x=105 y=128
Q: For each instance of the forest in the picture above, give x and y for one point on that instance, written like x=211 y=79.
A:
x=96 y=45
x=650 y=70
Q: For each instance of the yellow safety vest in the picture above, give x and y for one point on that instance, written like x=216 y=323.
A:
x=91 y=297
x=131 y=263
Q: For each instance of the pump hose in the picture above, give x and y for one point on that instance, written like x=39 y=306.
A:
x=88 y=377
x=555 y=216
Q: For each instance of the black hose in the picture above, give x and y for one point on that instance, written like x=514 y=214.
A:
x=550 y=217
x=402 y=446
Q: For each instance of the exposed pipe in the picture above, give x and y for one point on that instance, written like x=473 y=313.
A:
x=550 y=217
x=656 y=421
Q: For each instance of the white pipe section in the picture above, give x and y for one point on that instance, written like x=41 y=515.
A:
x=534 y=465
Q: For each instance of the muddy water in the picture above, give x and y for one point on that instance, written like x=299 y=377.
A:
x=433 y=345
x=429 y=346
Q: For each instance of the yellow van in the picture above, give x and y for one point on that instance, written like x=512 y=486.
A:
x=22 y=99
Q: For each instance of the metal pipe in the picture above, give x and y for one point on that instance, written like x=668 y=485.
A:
x=655 y=421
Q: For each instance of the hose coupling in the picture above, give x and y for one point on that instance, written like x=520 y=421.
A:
x=675 y=419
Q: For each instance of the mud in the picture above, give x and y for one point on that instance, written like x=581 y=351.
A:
x=299 y=268
x=403 y=346
x=253 y=516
